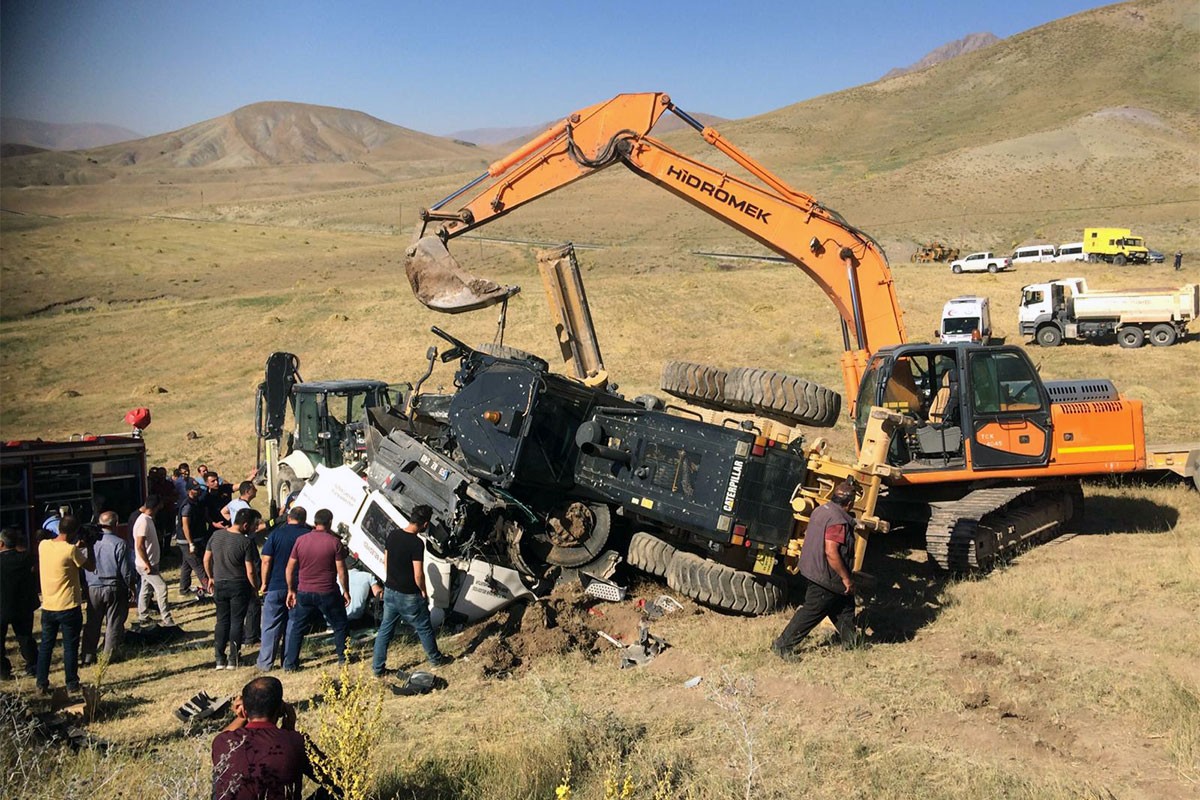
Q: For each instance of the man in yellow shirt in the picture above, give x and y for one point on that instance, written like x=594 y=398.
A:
x=59 y=560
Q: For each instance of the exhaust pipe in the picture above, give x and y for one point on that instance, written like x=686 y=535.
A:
x=439 y=283
x=606 y=452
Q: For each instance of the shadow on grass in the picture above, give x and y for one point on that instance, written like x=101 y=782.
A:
x=907 y=594
x=1105 y=514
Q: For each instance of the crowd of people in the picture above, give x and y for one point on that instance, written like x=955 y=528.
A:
x=271 y=582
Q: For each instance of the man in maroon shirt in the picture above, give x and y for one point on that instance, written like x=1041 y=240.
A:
x=260 y=755
x=315 y=567
x=828 y=550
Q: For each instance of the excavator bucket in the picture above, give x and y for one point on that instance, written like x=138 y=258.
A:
x=441 y=284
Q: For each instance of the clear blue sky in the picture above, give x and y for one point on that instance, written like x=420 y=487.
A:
x=445 y=65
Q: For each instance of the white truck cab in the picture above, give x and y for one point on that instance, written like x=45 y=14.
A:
x=965 y=319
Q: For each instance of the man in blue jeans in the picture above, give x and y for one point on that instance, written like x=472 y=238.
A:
x=314 y=569
x=59 y=560
x=404 y=594
x=275 y=556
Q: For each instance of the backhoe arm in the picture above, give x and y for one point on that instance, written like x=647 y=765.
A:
x=845 y=262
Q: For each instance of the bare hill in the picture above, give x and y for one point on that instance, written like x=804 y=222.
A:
x=59 y=136
x=277 y=133
x=967 y=44
x=270 y=134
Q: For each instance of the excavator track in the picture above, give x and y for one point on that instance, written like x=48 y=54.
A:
x=987 y=525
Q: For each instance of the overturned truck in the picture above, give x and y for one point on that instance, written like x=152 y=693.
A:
x=541 y=473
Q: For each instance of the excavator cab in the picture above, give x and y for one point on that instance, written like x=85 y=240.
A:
x=968 y=407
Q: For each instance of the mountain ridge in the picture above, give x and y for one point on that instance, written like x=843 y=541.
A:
x=967 y=44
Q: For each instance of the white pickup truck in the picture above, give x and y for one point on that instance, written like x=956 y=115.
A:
x=980 y=262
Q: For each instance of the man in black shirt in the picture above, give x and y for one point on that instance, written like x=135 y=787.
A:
x=191 y=534
x=404 y=594
x=233 y=562
x=18 y=600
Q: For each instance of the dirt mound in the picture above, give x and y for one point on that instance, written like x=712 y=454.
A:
x=567 y=621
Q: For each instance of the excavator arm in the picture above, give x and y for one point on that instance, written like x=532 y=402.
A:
x=845 y=262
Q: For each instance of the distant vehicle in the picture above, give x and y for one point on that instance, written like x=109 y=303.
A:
x=1067 y=309
x=1114 y=246
x=1156 y=257
x=965 y=319
x=1038 y=253
x=1072 y=251
x=980 y=262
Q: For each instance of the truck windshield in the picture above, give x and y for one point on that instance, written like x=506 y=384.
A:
x=954 y=325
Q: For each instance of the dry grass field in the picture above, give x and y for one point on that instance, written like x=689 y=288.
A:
x=1072 y=672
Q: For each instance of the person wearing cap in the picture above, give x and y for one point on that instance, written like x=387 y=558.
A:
x=191 y=536
x=825 y=562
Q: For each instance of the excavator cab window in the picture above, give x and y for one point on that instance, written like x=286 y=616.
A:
x=1003 y=383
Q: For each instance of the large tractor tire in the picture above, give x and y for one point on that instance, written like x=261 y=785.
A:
x=785 y=398
x=700 y=384
x=650 y=554
x=723 y=587
x=583 y=536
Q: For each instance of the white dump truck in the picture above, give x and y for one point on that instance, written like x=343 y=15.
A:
x=1068 y=309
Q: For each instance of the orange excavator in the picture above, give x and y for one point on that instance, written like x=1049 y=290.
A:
x=991 y=456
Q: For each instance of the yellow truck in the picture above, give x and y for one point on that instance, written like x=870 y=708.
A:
x=1114 y=245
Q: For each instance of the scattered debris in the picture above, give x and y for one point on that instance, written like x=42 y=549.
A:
x=419 y=682
x=692 y=683
x=642 y=653
x=601 y=588
x=660 y=606
x=202 y=706
x=192 y=436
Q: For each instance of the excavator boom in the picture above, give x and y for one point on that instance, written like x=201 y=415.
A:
x=845 y=262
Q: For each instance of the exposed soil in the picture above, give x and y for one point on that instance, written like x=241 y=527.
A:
x=566 y=621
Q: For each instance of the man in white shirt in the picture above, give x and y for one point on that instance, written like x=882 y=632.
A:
x=147 y=552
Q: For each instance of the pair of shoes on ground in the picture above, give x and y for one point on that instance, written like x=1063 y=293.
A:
x=234 y=662
x=73 y=688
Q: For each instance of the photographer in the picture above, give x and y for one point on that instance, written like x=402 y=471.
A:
x=59 y=560
x=261 y=754
x=108 y=587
